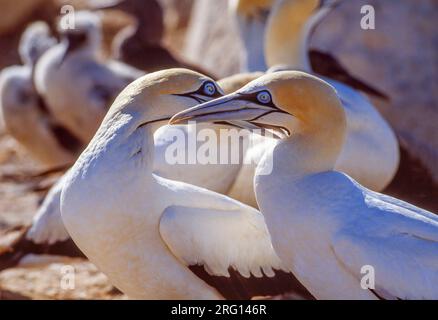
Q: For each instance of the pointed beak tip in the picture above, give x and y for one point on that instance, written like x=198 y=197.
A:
x=178 y=120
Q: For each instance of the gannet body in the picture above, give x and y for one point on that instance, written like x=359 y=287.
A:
x=78 y=86
x=152 y=229
x=24 y=112
x=324 y=225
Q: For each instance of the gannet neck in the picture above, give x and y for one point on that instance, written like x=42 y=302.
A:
x=302 y=154
x=123 y=139
x=287 y=33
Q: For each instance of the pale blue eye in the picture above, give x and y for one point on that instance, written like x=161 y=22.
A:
x=264 y=97
x=209 y=89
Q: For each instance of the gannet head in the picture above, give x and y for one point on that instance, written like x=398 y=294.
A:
x=35 y=40
x=159 y=95
x=286 y=102
x=80 y=31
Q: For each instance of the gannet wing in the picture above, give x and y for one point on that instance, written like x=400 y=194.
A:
x=230 y=250
x=399 y=241
x=327 y=65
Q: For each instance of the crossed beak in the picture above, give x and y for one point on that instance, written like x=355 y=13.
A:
x=231 y=108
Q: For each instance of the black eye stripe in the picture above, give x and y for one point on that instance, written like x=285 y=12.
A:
x=200 y=92
x=252 y=97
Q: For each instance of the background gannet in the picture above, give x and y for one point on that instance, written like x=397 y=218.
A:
x=77 y=84
x=144 y=231
x=371 y=151
x=141 y=45
x=46 y=233
x=324 y=225
x=250 y=17
x=25 y=113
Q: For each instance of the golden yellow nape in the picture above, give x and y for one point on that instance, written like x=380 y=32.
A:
x=250 y=8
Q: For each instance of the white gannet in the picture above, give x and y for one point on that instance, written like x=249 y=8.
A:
x=77 y=84
x=46 y=234
x=325 y=226
x=25 y=114
x=371 y=152
x=144 y=231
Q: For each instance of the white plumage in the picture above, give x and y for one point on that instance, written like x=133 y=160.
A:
x=78 y=85
x=23 y=110
x=151 y=228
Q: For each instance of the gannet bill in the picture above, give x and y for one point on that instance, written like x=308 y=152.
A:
x=25 y=113
x=325 y=226
x=144 y=231
x=77 y=84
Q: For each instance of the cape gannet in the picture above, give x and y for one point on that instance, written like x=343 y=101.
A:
x=401 y=175
x=324 y=225
x=144 y=231
x=77 y=84
x=25 y=113
x=252 y=17
x=47 y=234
